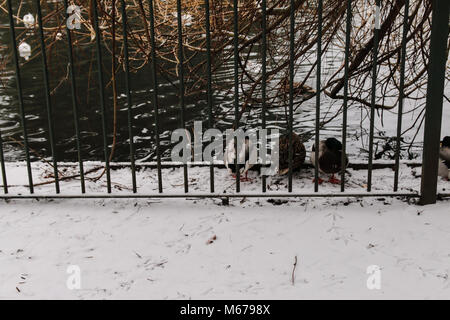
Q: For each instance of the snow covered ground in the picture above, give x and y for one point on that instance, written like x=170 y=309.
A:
x=201 y=249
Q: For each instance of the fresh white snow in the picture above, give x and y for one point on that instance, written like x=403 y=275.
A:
x=201 y=249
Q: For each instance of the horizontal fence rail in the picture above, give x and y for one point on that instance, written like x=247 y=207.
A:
x=220 y=196
x=181 y=20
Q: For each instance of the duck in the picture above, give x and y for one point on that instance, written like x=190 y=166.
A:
x=299 y=89
x=330 y=158
x=299 y=153
x=444 y=159
x=246 y=152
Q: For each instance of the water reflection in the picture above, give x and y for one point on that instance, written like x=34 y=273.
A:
x=143 y=110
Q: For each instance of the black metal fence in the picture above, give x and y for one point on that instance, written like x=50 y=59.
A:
x=434 y=104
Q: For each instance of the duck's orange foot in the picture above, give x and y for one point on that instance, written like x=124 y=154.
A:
x=333 y=180
x=320 y=181
x=243 y=179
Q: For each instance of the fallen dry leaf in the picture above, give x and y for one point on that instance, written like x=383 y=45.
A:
x=212 y=239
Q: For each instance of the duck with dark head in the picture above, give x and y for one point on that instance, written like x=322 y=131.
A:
x=330 y=158
x=444 y=159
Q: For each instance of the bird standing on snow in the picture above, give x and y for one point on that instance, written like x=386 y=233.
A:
x=444 y=159
x=330 y=158
x=299 y=153
x=246 y=152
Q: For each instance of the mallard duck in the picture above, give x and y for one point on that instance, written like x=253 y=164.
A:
x=299 y=153
x=330 y=158
x=247 y=152
x=298 y=88
x=444 y=159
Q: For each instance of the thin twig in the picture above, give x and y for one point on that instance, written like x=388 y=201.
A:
x=293 y=271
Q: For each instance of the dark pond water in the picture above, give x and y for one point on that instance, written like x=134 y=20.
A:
x=89 y=107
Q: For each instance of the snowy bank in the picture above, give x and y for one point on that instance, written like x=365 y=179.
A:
x=201 y=249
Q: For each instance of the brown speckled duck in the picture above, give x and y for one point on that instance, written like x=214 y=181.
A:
x=298 y=89
x=299 y=153
x=330 y=158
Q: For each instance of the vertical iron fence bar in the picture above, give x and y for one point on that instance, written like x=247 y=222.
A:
x=76 y=117
x=155 y=94
x=264 y=77
x=346 y=79
x=102 y=94
x=401 y=95
x=2 y=163
x=318 y=89
x=210 y=98
x=236 y=89
x=434 y=102
x=128 y=91
x=20 y=95
x=291 y=90
x=376 y=31
x=181 y=76
x=47 y=96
